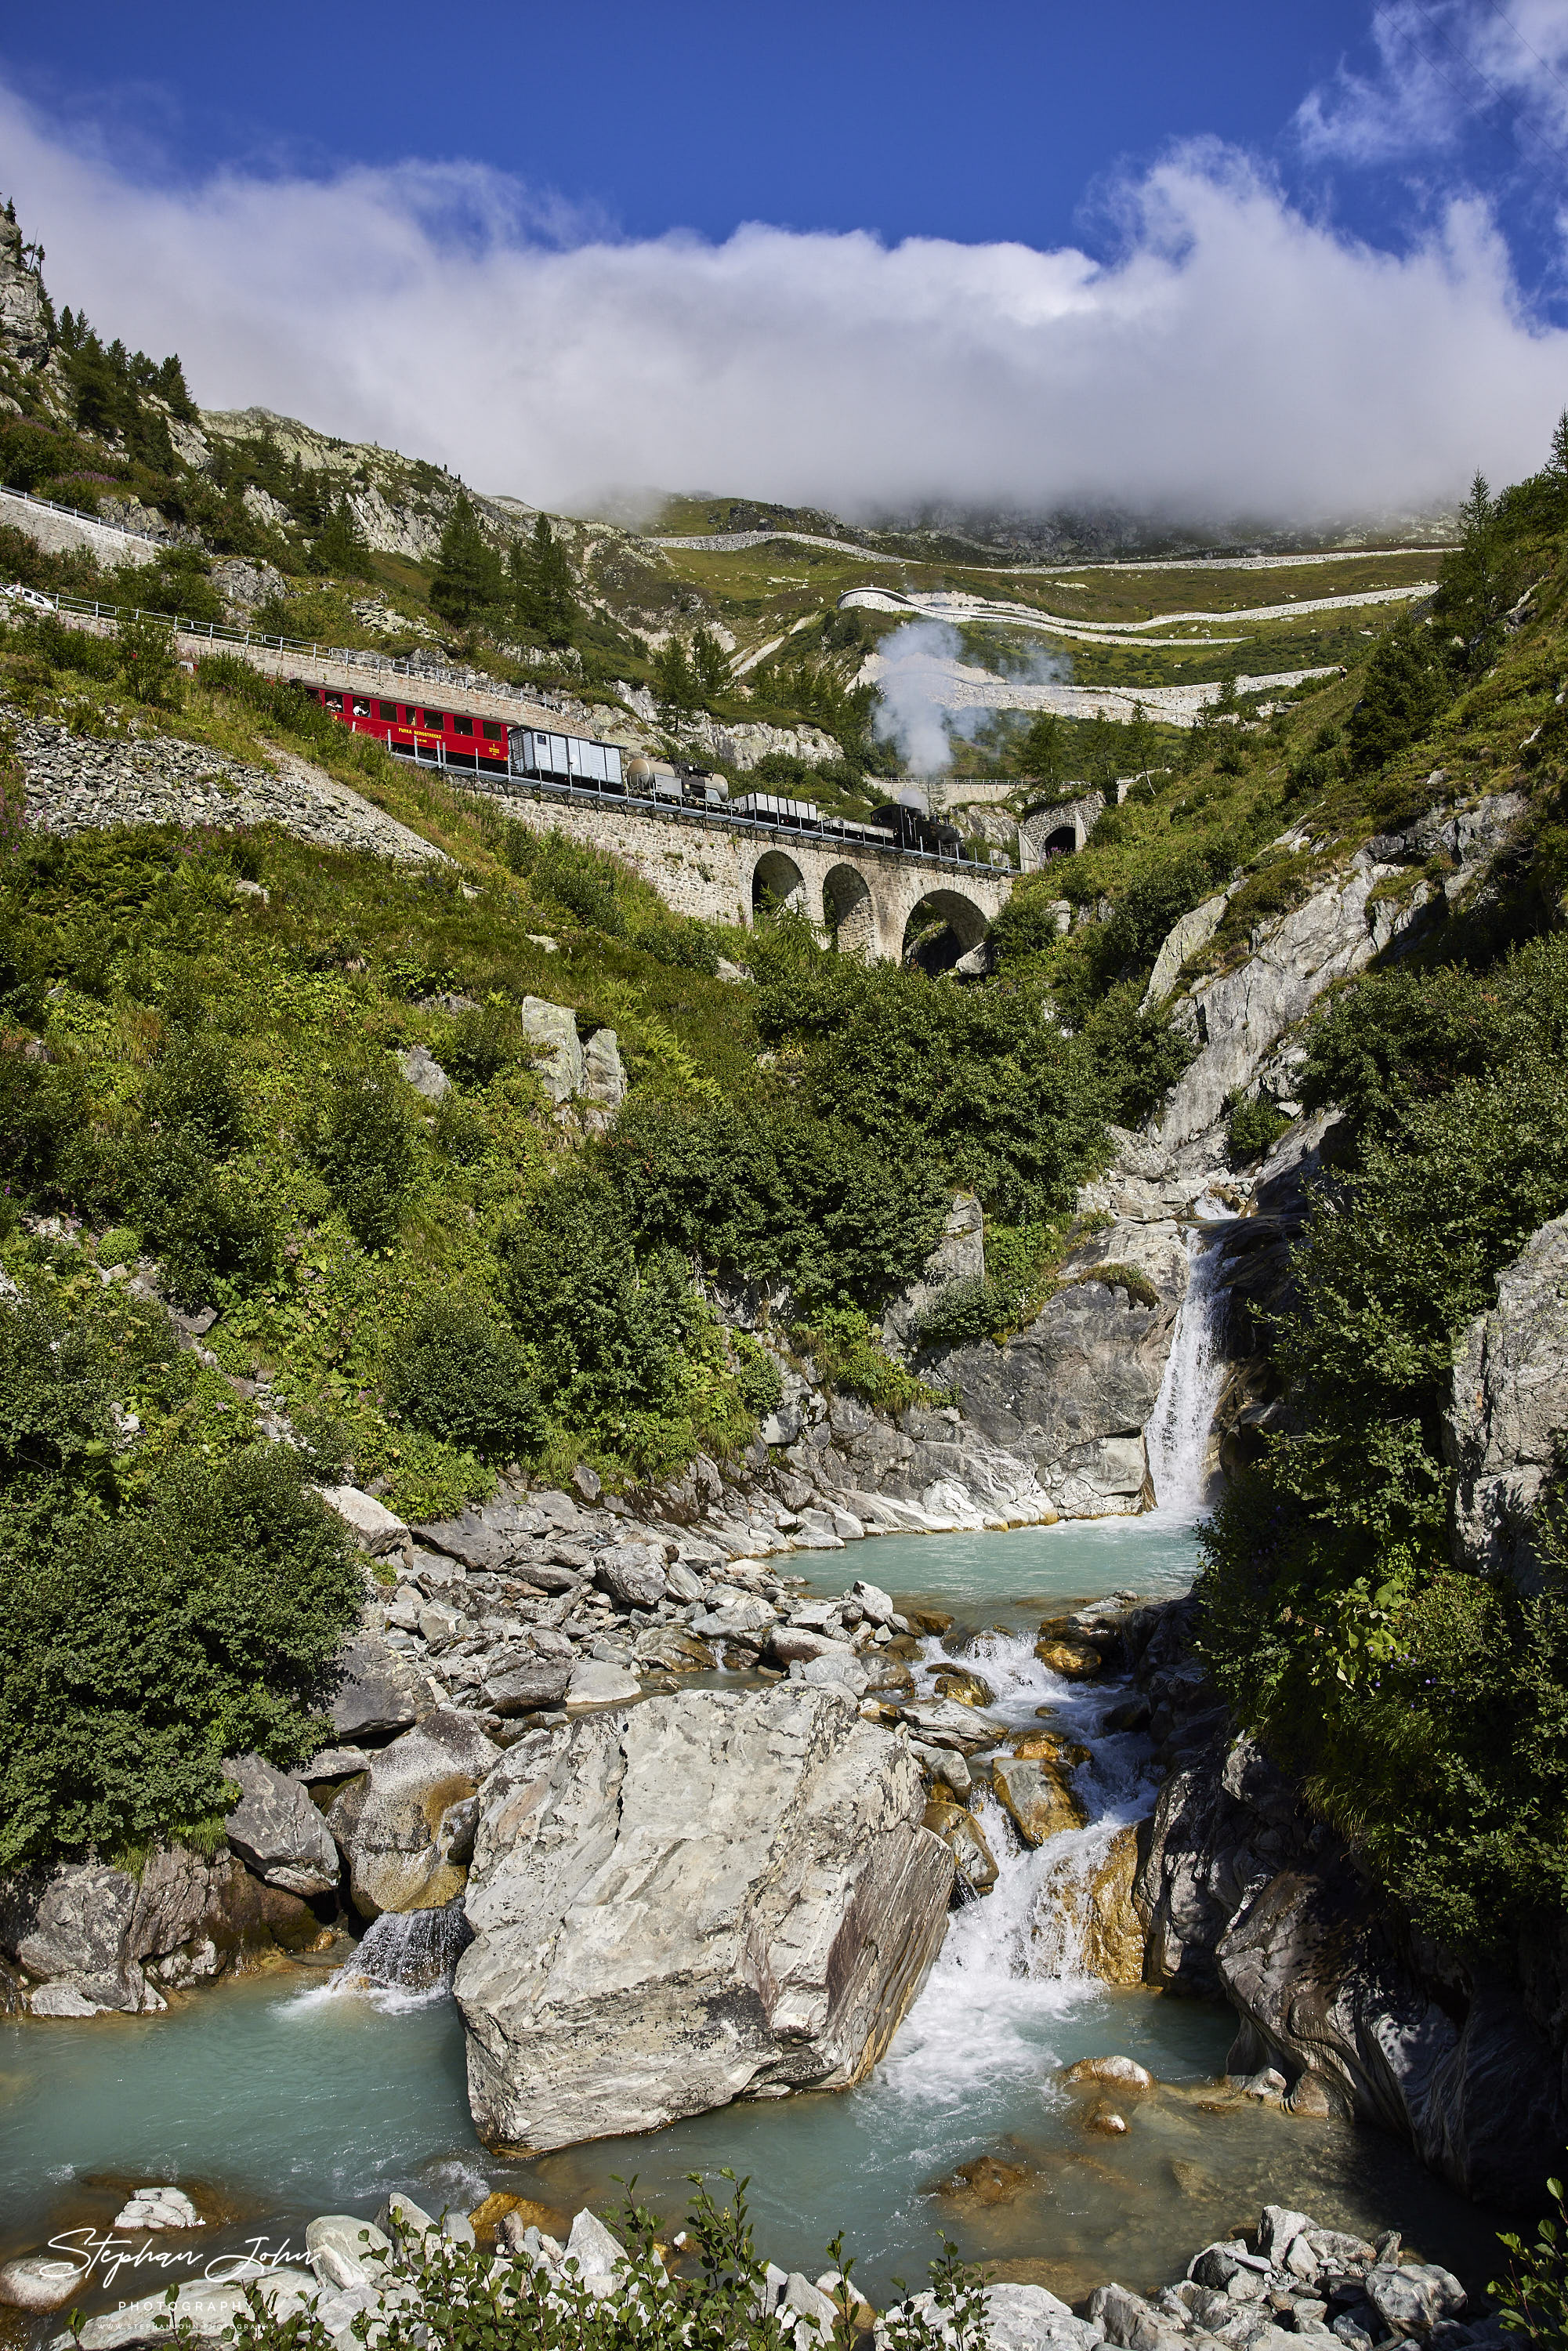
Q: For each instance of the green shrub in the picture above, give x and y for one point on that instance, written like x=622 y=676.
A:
x=206 y=1222
x=680 y=940
x=848 y=1350
x=1532 y=2300
x=22 y=974
x=137 y=1650
x=148 y=662
x=1407 y=684
x=757 y=1375
x=484 y=1043
x=780 y=1199
x=1407 y=1037
x=978 y=1082
x=192 y=1097
x=1130 y=1278
x=582 y=880
x=1027 y=926
x=1427 y=1711
x=716 y=2298
x=1254 y=1127
x=967 y=1311
x=459 y=1374
x=56 y=1437
x=45 y=1115
x=461 y=1131
x=607 y=1332
x=363 y=1144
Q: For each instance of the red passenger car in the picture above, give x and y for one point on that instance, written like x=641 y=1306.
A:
x=417 y=730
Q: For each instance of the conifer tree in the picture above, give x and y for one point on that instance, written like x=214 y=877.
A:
x=468 y=574
x=709 y=662
x=676 y=688
x=543 y=597
x=341 y=550
x=1042 y=754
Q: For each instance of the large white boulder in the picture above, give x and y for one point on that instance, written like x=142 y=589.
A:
x=679 y=1902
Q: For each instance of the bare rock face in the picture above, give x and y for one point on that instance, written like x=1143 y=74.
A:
x=679 y=1903
x=1508 y=1404
x=400 y=1823
x=94 y=1939
x=1073 y=1392
x=551 y=1030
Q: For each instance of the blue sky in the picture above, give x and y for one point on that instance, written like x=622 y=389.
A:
x=1007 y=221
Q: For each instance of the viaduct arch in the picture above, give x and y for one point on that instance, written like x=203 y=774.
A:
x=864 y=895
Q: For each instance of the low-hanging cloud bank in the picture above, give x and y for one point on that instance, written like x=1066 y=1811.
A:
x=1236 y=360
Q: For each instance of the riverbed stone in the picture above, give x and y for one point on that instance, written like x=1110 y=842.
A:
x=596 y=1681
x=1038 y=1797
x=1411 y=2300
x=159 y=2207
x=39 y=2282
x=964 y=1686
x=387 y=1822
x=686 y=1900
x=965 y=1839
x=345 y=2251
x=1074 y=1660
x=940 y=1723
x=632 y=1574
x=521 y=1680
x=1125 y=2072
x=378 y=1692
x=278 y=1831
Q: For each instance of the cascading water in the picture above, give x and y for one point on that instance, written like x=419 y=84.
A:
x=407 y=1952
x=1012 y=1965
x=1177 y=1434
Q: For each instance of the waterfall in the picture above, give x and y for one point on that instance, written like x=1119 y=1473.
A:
x=1177 y=1434
x=407 y=1952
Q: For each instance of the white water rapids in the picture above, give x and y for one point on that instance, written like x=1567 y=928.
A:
x=1013 y=1962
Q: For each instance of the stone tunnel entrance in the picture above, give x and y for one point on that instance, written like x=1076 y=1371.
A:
x=941 y=928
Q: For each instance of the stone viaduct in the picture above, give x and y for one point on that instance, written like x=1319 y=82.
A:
x=725 y=869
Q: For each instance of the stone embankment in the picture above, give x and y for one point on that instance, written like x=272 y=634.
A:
x=77 y=783
x=1261 y=2291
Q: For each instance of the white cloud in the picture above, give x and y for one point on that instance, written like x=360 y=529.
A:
x=1236 y=359
x=1440 y=69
